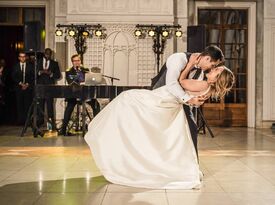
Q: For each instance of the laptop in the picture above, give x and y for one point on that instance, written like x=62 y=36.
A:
x=93 y=78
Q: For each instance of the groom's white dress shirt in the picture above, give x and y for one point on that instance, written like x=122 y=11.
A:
x=175 y=64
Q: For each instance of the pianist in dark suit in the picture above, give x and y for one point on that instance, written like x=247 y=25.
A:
x=48 y=73
x=23 y=77
x=75 y=75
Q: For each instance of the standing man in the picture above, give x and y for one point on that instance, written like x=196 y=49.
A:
x=75 y=75
x=170 y=73
x=48 y=73
x=23 y=76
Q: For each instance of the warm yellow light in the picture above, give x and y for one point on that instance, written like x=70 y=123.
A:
x=58 y=32
x=85 y=33
x=98 y=33
x=138 y=33
x=151 y=33
x=165 y=33
x=43 y=34
x=71 y=33
x=178 y=33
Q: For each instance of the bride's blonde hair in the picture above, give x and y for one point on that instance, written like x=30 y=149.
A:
x=223 y=85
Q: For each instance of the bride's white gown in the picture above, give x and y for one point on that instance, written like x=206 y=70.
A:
x=142 y=139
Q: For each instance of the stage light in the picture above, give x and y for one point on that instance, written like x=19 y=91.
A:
x=71 y=32
x=138 y=33
x=165 y=33
x=98 y=33
x=58 y=32
x=178 y=33
x=151 y=33
x=85 y=33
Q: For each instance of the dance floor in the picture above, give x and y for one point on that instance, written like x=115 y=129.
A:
x=238 y=166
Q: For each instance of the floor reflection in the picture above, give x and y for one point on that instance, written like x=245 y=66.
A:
x=238 y=166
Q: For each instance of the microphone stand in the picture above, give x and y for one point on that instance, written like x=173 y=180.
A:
x=112 y=78
x=32 y=112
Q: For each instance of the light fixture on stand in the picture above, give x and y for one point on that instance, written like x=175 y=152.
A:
x=80 y=33
x=159 y=34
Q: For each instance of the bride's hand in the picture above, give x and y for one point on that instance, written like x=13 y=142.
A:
x=194 y=59
x=196 y=101
x=204 y=97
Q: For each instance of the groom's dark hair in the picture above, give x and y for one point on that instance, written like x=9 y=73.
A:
x=214 y=52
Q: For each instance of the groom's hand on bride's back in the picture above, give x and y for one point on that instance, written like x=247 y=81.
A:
x=197 y=101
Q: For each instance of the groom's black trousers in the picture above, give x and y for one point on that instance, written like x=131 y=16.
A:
x=192 y=125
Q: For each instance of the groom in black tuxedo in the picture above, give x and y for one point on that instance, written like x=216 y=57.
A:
x=170 y=73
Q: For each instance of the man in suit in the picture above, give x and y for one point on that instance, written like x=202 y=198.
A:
x=75 y=75
x=170 y=73
x=48 y=73
x=23 y=76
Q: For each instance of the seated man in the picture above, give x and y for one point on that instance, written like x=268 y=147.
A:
x=75 y=74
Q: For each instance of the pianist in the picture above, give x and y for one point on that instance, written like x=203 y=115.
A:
x=75 y=76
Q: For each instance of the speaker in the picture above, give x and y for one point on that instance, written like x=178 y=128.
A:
x=196 y=38
x=32 y=36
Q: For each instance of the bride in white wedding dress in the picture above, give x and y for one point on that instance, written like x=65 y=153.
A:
x=142 y=138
